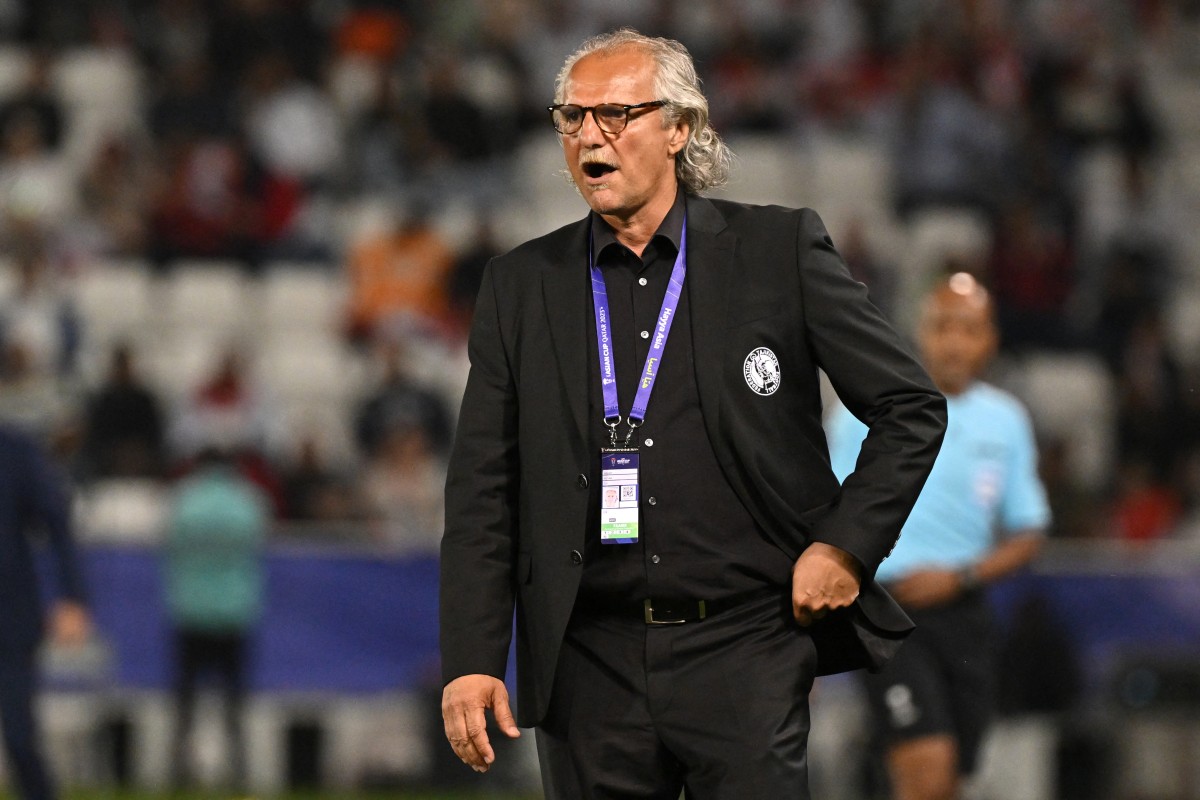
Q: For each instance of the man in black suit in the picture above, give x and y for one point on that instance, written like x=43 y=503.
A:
x=681 y=560
x=32 y=498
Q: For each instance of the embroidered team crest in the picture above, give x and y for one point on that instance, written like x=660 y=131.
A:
x=762 y=371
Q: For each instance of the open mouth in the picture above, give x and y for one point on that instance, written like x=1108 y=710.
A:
x=596 y=170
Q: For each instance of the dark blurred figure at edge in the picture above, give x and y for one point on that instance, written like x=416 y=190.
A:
x=33 y=497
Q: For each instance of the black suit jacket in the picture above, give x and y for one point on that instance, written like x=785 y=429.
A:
x=518 y=486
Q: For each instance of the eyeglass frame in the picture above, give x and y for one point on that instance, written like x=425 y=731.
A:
x=585 y=109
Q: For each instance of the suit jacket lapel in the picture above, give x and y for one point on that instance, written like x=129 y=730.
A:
x=565 y=292
x=710 y=252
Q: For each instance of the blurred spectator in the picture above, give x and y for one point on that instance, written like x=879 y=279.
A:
x=374 y=33
x=1073 y=508
x=1032 y=272
x=400 y=402
x=468 y=268
x=124 y=426
x=31 y=399
x=381 y=138
x=36 y=103
x=35 y=183
x=214 y=583
x=189 y=105
x=1146 y=507
x=1150 y=418
x=39 y=338
x=226 y=411
x=400 y=272
x=114 y=203
x=314 y=491
x=749 y=85
x=947 y=150
x=242 y=30
x=207 y=203
x=38 y=313
x=33 y=496
x=404 y=484
x=174 y=32
x=291 y=125
x=458 y=128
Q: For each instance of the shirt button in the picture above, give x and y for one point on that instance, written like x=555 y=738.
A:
x=654 y=559
x=576 y=557
x=582 y=481
x=642 y=281
x=645 y=334
x=653 y=501
x=649 y=443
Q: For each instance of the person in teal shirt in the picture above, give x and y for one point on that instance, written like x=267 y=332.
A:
x=214 y=582
x=981 y=515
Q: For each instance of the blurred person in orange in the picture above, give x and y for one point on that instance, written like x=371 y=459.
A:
x=33 y=495
x=981 y=516
x=401 y=271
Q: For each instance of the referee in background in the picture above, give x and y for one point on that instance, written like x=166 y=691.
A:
x=982 y=515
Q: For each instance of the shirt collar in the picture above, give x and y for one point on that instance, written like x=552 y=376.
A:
x=671 y=228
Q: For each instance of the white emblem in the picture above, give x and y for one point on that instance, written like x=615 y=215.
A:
x=762 y=371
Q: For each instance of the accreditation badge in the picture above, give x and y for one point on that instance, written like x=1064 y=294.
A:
x=618 y=495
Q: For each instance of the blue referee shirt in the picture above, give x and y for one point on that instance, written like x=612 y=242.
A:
x=984 y=483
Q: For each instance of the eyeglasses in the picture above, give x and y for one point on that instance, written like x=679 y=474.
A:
x=610 y=117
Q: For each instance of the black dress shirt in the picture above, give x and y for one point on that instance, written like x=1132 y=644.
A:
x=696 y=539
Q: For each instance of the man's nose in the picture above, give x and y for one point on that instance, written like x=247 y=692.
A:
x=589 y=131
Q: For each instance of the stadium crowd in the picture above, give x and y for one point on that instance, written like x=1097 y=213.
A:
x=182 y=144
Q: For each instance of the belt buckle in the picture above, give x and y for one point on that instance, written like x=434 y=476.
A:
x=648 y=609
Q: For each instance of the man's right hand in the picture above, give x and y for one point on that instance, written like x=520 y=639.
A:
x=463 y=703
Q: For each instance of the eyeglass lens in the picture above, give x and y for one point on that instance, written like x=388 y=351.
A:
x=611 y=118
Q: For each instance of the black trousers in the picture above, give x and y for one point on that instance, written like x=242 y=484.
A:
x=18 y=682
x=223 y=656
x=716 y=708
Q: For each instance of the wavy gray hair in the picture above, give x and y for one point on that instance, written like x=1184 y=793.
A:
x=705 y=160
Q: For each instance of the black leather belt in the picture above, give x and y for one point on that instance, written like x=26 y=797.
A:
x=671 y=610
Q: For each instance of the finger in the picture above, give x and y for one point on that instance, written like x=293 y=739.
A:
x=458 y=734
x=803 y=615
x=476 y=725
x=504 y=716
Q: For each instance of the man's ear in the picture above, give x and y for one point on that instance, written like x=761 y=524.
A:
x=679 y=137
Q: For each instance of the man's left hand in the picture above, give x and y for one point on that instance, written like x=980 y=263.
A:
x=824 y=578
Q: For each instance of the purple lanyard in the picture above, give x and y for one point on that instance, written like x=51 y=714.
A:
x=608 y=372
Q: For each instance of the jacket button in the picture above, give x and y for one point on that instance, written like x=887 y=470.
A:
x=582 y=481
x=576 y=557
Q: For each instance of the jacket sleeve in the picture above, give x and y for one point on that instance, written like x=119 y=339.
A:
x=882 y=384
x=479 y=542
x=51 y=508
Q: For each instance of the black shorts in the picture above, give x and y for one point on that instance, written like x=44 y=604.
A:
x=942 y=681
